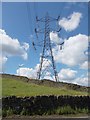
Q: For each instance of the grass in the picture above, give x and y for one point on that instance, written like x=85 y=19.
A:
x=66 y=110
x=14 y=87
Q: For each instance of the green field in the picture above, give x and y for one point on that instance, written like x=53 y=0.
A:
x=14 y=87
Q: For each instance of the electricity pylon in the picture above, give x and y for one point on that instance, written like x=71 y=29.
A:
x=47 y=52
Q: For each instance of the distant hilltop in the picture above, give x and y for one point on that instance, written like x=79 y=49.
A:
x=48 y=83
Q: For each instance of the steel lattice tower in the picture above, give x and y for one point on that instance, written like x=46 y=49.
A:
x=47 y=53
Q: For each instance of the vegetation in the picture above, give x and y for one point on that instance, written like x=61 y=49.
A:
x=22 y=87
x=66 y=110
x=12 y=87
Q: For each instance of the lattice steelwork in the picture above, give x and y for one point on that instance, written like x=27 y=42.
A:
x=47 y=53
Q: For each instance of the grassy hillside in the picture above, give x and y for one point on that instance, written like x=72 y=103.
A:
x=21 y=86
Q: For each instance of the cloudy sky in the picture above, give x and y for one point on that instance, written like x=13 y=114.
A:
x=17 y=33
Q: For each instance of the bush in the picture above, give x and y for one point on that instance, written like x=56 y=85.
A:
x=84 y=110
x=65 y=110
x=9 y=112
x=4 y=113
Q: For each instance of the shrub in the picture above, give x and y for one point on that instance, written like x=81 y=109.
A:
x=9 y=112
x=4 y=113
x=65 y=110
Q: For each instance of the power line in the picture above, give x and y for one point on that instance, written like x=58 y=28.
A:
x=29 y=15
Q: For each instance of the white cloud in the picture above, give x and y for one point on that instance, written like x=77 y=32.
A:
x=55 y=38
x=3 y=60
x=2 y=32
x=46 y=63
x=72 y=22
x=84 y=65
x=67 y=74
x=25 y=46
x=32 y=72
x=12 y=47
x=28 y=72
x=70 y=76
x=48 y=76
x=73 y=52
x=82 y=81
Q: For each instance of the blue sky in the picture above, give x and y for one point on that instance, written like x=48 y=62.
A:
x=18 y=22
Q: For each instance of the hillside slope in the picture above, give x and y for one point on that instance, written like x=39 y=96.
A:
x=22 y=86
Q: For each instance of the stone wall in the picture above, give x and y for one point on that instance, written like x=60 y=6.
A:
x=41 y=104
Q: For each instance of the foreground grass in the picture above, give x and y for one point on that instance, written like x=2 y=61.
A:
x=66 y=110
x=12 y=87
